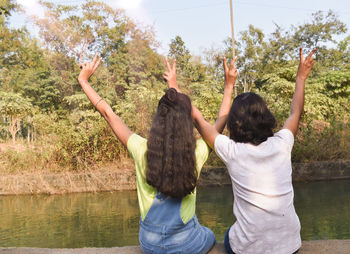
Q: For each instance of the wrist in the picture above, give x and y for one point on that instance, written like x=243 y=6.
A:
x=82 y=80
x=301 y=78
x=229 y=87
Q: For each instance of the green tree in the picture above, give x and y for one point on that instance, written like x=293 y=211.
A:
x=14 y=107
x=321 y=30
x=191 y=71
x=6 y=7
x=79 y=30
x=252 y=49
x=41 y=88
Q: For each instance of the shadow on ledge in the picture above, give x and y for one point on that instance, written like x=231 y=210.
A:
x=309 y=247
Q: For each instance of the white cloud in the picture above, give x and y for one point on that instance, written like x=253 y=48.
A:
x=128 y=4
x=134 y=9
x=32 y=7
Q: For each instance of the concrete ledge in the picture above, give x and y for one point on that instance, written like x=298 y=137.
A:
x=321 y=170
x=309 y=247
x=311 y=171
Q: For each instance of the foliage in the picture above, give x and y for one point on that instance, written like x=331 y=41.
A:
x=6 y=7
x=320 y=141
x=187 y=68
x=14 y=108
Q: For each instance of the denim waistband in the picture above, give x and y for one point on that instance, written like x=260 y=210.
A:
x=168 y=229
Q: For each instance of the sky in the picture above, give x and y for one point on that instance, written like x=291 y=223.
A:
x=203 y=24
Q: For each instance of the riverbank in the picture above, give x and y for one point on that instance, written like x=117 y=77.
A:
x=123 y=178
x=309 y=247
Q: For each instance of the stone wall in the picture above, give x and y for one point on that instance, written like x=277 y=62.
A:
x=323 y=170
x=313 y=171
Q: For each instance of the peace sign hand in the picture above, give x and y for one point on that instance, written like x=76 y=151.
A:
x=87 y=69
x=170 y=75
x=230 y=72
x=305 y=64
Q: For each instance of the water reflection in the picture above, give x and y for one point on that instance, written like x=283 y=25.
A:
x=77 y=220
x=323 y=209
x=112 y=219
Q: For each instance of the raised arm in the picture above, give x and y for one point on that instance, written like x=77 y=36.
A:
x=209 y=132
x=297 y=104
x=119 y=128
x=230 y=80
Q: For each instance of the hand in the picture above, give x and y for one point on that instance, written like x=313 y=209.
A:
x=305 y=64
x=87 y=69
x=230 y=73
x=170 y=75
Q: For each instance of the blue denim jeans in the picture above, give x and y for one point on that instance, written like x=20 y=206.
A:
x=163 y=231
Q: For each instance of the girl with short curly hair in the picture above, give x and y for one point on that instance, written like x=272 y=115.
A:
x=259 y=164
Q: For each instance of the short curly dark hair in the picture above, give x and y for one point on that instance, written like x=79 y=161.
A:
x=171 y=162
x=250 y=121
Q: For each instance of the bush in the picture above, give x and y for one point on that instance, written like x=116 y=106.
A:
x=322 y=141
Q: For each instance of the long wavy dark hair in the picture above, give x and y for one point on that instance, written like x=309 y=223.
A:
x=250 y=121
x=171 y=164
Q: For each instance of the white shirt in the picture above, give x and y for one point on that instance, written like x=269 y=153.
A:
x=263 y=194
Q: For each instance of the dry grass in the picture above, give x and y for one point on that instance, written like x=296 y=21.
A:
x=27 y=169
x=68 y=182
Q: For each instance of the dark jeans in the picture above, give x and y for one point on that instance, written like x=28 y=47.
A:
x=227 y=243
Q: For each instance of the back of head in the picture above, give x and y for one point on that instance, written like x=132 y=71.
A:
x=171 y=164
x=250 y=121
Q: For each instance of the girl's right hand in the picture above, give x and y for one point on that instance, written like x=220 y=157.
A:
x=170 y=75
x=87 y=69
x=230 y=73
x=305 y=64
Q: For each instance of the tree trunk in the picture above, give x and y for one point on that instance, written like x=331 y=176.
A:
x=28 y=135
x=32 y=139
x=14 y=128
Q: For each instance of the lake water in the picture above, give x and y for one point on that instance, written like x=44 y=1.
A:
x=112 y=219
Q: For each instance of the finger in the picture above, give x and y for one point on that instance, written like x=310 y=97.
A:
x=232 y=63
x=80 y=65
x=312 y=52
x=97 y=64
x=301 y=55
x=167 y=64
x=225 y=64
x=174 y=65
x=95 y=59
x=235 y=59
x=165 y=77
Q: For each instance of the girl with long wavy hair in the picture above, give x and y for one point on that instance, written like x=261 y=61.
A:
x=259 y=164
x=168 y=165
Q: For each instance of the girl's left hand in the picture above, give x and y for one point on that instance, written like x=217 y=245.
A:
x=87 y=69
